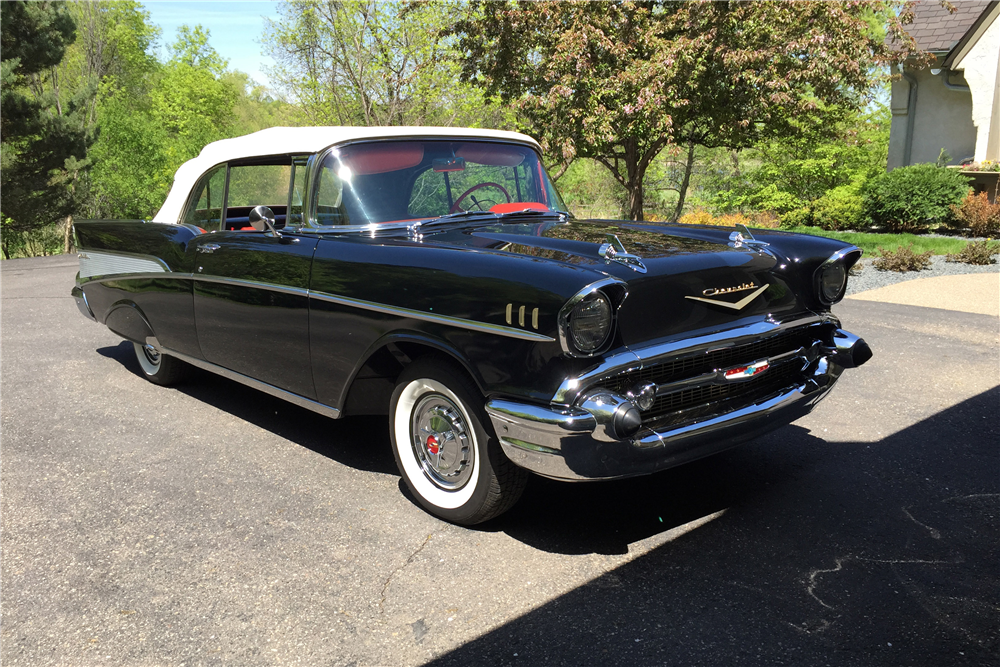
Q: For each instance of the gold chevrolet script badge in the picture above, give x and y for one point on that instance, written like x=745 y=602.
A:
x=739 y=305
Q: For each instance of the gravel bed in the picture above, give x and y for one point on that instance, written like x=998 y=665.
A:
x=871 y=278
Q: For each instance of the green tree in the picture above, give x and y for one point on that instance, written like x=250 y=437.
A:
x=44 y=137
x=365 y=62
x=191 y=99
x=113 y=54
x=789 y=172
x=620 y=81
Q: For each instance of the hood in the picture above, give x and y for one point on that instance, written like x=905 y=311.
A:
x=693 y=280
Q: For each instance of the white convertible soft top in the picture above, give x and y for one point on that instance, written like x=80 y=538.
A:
x=298 y=141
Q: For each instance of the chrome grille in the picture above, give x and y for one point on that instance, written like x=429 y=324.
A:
x=706 y=399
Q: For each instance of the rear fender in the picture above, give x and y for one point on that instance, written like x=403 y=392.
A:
x=129 y=322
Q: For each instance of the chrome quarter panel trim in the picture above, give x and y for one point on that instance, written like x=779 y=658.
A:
x=300 y=401
x=239 y=282
x=101 y=263
x=637 y=358
x=138 y=276
x=447 y=320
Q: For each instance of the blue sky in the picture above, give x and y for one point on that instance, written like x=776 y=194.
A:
x=236 y=28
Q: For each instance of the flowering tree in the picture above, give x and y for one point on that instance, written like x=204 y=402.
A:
x=618 y=82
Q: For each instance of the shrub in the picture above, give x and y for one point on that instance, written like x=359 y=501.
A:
x=902 y=259
x=839 y=208
x=697 y=217
x=913 y=198
x=976 y=252
x=978 y=215
x=732 y=219
x=764 y=220
x=798 y=217
x=703 y=217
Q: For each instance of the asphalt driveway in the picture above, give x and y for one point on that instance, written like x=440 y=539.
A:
x=213 y=525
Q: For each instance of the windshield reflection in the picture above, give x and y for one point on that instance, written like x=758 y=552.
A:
x=401 y=181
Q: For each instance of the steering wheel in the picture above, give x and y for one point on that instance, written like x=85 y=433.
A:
x=456 y=206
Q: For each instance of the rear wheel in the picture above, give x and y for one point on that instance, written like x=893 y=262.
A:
x=159 y=368
x=445 y=447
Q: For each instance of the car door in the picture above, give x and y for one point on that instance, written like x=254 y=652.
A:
x=250 y=288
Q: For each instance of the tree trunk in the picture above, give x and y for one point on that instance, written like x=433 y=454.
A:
x=635 y=200
x=68 y=235
x=684 y=184
x=635 y=171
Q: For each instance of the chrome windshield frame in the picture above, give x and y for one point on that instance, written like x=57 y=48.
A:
x=374 y=228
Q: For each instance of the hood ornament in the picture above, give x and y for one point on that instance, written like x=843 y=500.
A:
x=745 y=238
x=612 y=250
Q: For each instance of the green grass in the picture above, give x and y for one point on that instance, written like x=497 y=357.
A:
x=870 y=243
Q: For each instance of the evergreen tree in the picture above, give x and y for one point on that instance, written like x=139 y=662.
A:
x=44 y=137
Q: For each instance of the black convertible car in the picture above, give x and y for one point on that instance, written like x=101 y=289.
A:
x=434 y=275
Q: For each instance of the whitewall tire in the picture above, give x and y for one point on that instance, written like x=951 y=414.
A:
x=445 y=447
x=159 y=368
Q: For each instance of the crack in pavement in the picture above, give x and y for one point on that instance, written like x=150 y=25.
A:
x=385 y=585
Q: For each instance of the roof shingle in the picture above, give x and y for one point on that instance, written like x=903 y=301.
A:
x=936 y=29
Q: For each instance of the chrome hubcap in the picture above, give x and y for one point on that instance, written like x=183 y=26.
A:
x=441 y=442
x=151 y=354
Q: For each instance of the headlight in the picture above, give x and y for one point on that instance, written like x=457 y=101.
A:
x=832 y=279
x=590 y=322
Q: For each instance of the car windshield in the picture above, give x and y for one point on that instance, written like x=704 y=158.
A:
x=397 y=181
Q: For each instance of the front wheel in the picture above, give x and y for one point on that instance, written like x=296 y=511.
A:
x=159 y=368
x=445 y=447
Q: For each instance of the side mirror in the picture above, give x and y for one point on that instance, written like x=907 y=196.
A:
x=262 y=219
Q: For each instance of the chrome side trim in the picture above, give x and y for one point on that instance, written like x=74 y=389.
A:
x=139 y=276
x=471 y=325
x=459 y=322
x=239 y=282
x=102 y=263
x=638 y=358
x=300 y=401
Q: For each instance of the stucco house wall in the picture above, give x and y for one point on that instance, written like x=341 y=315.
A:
x=954 y=103
x=941 y=118
x=979 y=67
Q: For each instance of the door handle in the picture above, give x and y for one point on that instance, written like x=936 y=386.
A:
x=209 y=247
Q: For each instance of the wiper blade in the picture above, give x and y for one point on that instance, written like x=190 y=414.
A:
x=466 y=214
x=472 y=213
x=563 y=215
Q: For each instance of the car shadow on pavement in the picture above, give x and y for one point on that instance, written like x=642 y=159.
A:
x=559 y=517
x=839 y=553
x=357 y=442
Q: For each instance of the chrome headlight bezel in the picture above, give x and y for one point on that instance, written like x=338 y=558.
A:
x=612 y=291
x=835 y=268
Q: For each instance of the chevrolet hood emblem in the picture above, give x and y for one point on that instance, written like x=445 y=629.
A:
x=739 y=305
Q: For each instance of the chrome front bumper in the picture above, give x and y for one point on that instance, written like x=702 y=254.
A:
x=579 y=442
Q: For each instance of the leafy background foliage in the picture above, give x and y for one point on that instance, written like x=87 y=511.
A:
x=757 y=111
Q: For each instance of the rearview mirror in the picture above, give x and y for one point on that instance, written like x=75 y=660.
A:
x=449 y=164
